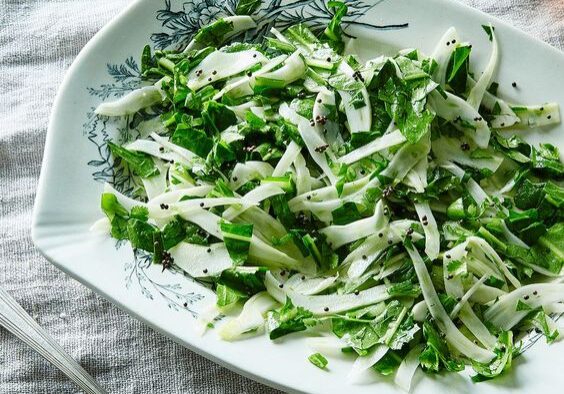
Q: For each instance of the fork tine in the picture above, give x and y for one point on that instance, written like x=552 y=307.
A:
x=16 y=320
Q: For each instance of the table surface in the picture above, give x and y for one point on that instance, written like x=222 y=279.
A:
x=38 y=41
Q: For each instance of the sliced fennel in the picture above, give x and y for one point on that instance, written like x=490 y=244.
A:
x=379 y=144
x=251 y=319
x=454 y=337
x=220 y=65
x=407 y=369
x=476 y=95
x=200 y=260
x=131 y=103
x=327 y=304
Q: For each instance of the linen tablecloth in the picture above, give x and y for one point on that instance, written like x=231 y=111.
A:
x=38 y=41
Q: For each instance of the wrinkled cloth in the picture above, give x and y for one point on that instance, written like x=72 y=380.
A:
x=38 y=42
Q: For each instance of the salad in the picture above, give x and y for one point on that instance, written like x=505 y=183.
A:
x=387 y=206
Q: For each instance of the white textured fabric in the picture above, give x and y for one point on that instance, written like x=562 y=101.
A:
x=38 y=41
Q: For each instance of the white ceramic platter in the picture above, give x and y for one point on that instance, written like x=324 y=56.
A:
x=77 y=162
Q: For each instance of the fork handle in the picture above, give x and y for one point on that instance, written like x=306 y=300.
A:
x=16 y=320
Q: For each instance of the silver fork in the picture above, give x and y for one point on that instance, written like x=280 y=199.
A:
x=16 y=320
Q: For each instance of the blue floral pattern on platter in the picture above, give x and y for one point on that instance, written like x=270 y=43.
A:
x=138 y=272
x=179 y=26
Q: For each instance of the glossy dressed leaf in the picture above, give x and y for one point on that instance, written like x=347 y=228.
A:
x=140 y=234
x=247 y=7
x=436 y=355
x=344 y=82
x=301 y=35
x=139 y=163
x=111 y=206
x=217 y=117
x=504 y=355
x=388 y=364
x=214 y=34
x=457 y=69
x=346 y=214
x=287 y=320
x=318 y=360
x=245 y=281
x=227 y=296
x=322 y=253
x=237 y=239
x=546 y=158
x=117 y=215
x=489 y=31
x=192 y=139
x=334 y=30
x=459 y=59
